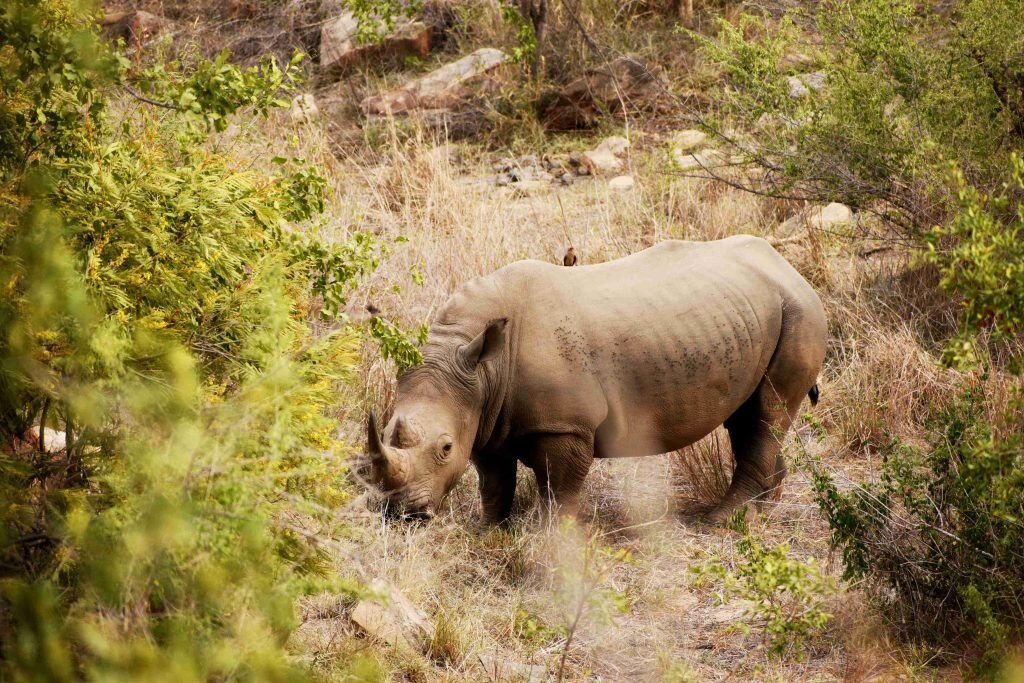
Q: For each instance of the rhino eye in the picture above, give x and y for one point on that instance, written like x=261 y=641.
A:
x=447 y=448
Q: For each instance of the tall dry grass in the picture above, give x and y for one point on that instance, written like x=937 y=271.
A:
x=495 y=591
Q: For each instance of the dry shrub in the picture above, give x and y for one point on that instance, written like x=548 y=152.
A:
x=701 y=473
x=881 y=385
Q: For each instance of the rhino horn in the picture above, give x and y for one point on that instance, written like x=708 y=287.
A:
x=388 y=466
x=403 y=433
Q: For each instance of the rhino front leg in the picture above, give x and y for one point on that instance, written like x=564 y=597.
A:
x=561 y=462
x=497 y=489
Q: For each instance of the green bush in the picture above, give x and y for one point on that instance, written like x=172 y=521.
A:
x=938 y=537
x=980 y=255
x=786 y=596
x=906 y=90
x=155 y=313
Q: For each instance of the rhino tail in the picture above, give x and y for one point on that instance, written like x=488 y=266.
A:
x=813 y=394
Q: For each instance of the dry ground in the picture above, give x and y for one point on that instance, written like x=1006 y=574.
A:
x=509 y=593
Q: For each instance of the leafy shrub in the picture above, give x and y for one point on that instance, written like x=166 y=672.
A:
x=785 y=595
x=905 y=91
x=938 y=537
x=155 y=315
x=981 y=257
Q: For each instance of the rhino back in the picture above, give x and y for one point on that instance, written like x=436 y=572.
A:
x=651 y=351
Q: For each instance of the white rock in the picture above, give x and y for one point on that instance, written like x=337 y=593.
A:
x=797 y=89
x=615 y=144
x=802 y=85
x=700 y=160
x=602 y=161
x=622 y=182
x=396 y=621
x=53 y=441
x=442 y=88
x=337 y=39
x=688 y=140
x=831 y=215
x=304 y=108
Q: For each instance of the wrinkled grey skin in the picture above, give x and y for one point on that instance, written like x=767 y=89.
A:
x=553 y=367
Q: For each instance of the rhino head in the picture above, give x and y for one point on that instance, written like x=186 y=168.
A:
x=426 y=446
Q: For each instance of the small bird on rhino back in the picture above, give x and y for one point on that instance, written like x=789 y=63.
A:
x=645 y=355
x=570 y=257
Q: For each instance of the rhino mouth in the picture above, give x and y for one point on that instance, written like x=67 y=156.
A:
x=399 y=509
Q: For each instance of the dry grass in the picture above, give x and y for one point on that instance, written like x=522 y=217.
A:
x=511 y=592
x=501 y=592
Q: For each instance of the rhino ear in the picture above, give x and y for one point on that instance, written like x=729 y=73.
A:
x=486 y=346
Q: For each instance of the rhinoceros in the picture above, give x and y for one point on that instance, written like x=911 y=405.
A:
x=647 y=354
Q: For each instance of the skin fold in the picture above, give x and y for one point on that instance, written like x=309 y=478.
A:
x=553 y=367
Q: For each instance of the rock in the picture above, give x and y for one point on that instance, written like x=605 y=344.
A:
x=136 y=27
x=832 y=215
x=500 y=670
x=442 y=88
x=626 y=81
x=710 y=158
x=622 y=182
x=340 y=50
x=797 y=89
x=802 y=85
x=615 y=144
x=603 y=159
x=688 y=140
x=567 y=178
x=392 y=619
x=53 y=441
x=378 y=622
x=304 y=109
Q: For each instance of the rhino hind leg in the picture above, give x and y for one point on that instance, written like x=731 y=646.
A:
x=561 y=463
x=756 y=433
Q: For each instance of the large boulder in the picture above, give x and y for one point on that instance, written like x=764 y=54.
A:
x=446 y=88
x=340 y=49
x=625 y=82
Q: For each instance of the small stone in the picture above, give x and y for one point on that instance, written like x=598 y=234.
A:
x=815 y=80
x=802 y=85
x=615 y=144
x=545 y=176
x=832 y=215
x=567 y=179
x=701 y=160
x=502 y=179
x=601 y=161
x=378 y=623
x=304 y=108
x=621 y=183
x=443 y=88
x=797 y=89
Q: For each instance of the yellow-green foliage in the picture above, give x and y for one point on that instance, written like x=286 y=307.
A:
x=981 y=257
x=154 y=308
x=903 y=91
